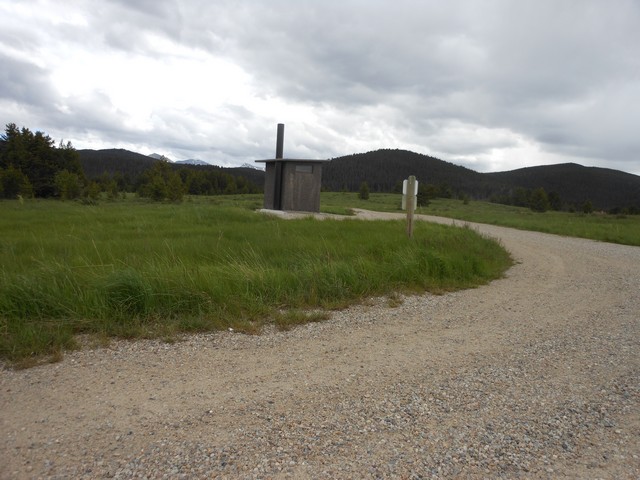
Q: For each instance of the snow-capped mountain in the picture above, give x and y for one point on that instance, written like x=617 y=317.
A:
x=157 y=156
x=248 y=165
x=193 y=161
x=197 y=161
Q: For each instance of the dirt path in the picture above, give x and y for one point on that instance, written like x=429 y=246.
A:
x=533 y=376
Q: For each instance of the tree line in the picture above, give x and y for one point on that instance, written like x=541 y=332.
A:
x=31 y=165
x=536 y=199
x=568 y=187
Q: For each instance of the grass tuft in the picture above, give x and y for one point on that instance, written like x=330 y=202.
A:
x=127 y=294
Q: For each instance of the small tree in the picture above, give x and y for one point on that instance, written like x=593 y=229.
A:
x=539 y=201
x=13 y=183
x=554 y=201
x=431 y=191
x=231 y=188
x=160 y=183
x=424 y=194
x=587 y=207
x=175 y=188
x=363 y=193
x=521 y=197
x=156 y=189
x=68 y=185
x=111 y=187
x=92 y=191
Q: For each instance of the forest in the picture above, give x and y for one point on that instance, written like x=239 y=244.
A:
x=31 y=165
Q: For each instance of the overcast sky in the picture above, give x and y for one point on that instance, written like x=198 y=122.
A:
x=492 y=85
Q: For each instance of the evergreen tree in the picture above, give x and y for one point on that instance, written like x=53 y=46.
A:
x=35 y=156
x=554 y=201
x=175 y=187
x=539 y=201
x=92 y=191
x=363 y=193
x=160 y=182
x=68 y=185
x=425 y=191
x=520 y=197
x=230 y=185
x=13 y=183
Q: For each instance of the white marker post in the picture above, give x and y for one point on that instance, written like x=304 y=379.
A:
x=410 y=201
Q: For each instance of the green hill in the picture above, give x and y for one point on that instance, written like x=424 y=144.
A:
x=574 y=184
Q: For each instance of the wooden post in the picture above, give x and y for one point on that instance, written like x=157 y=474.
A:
x=411 y=202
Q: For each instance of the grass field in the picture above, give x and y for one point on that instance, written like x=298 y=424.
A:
x=137 y=269
x=602 y=227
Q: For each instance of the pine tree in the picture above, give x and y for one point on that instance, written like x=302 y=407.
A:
x=363 y=193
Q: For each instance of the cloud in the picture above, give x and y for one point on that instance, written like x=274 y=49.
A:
x=23 y=82
x=493 y=85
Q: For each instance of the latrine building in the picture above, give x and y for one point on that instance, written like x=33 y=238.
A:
x=291 y=184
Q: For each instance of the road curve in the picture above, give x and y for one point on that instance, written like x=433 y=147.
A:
x=535 y=375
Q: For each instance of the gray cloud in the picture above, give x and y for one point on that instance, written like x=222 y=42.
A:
x=24 y=83
x=462 y=79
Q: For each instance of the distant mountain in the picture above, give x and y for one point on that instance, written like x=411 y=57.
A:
x=192 y=161
x=254 y=175
x=575 y=184
x=248 y=165
x=385 y=169
x=112 y=160
x=188 y=161
x=131 y=166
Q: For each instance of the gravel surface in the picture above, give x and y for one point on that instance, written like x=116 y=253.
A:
x=532 y=376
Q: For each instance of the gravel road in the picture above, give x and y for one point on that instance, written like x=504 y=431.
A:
x=535 y=375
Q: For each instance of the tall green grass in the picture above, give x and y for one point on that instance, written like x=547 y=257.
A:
x=136 y=269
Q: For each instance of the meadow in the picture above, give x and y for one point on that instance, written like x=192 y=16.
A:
x=137 y=269
x=623 y=229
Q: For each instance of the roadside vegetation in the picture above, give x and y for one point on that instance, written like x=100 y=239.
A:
x=134 y=268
